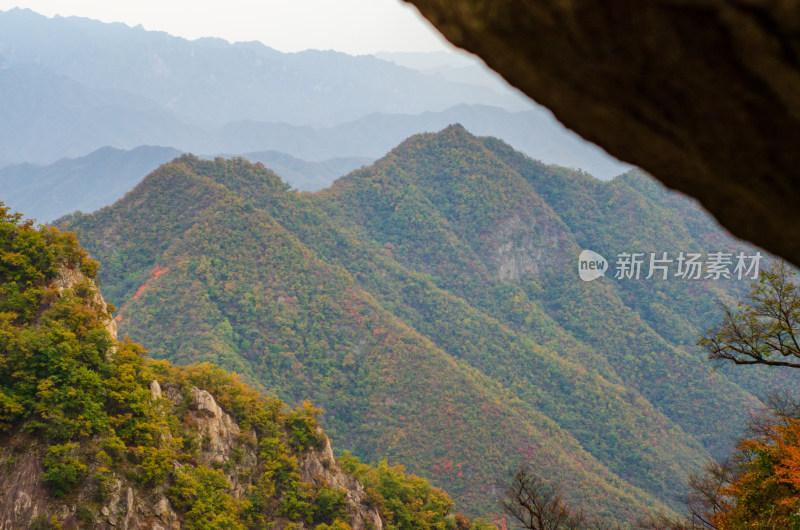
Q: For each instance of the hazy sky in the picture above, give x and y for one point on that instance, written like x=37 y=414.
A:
x=352 y=26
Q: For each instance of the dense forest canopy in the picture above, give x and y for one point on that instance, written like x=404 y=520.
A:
x=438 y=289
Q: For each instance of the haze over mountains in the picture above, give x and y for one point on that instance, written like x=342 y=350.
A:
x=85 y=184
x=90 y=182
x=71 y=86
x=430 y=304
x=230 y=82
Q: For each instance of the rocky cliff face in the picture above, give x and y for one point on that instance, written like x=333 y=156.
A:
x=319 y=467
x=24 y=498
x=523 y=246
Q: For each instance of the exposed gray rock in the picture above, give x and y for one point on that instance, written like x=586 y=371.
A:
x=319 y=466
x=22 y=494
x=69 y=278
x=129 y=513
x=216 y=427
x=155 y=389
x=520 y=248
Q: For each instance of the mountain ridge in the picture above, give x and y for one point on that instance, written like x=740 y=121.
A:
x=189 y=291
x=161 y=64
x=460 y=253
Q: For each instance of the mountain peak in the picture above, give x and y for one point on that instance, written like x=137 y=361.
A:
x=455 y=128
x=452 y=136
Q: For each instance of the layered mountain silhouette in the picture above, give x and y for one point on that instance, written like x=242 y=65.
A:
x=87 y=183
x=71 y=86
x=230 y=82
x=431 y=304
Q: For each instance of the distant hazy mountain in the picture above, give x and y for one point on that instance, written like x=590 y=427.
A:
x=214 y=81
x=307 y=158
x=45 y=116
x=100 y=178
x=459 y=67
x=534 y=132
x=70 y=86
x=86 y=183
x=430 y=60
x=304 y=175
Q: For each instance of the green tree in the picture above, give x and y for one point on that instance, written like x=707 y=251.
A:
x=765 y=327
x=62 y=469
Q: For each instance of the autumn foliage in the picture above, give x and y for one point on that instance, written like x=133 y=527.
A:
x=765 y=492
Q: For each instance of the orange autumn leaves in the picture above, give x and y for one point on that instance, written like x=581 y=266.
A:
x=155 y=273
x=765 y=492
x=789 y=472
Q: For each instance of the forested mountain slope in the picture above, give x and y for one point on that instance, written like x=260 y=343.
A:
x=95 y=435
x=431 y=305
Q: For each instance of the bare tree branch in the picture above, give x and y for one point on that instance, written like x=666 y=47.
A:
x=537 y=505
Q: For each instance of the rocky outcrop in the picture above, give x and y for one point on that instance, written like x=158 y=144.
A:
x=221 y=436
x=319 y=466
x=521 y=247
x=703 y=95
x=23 y=496
x=125 y=503
x=25 y=500
x=131 y=508
x=71 y=277
x=215 y=426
